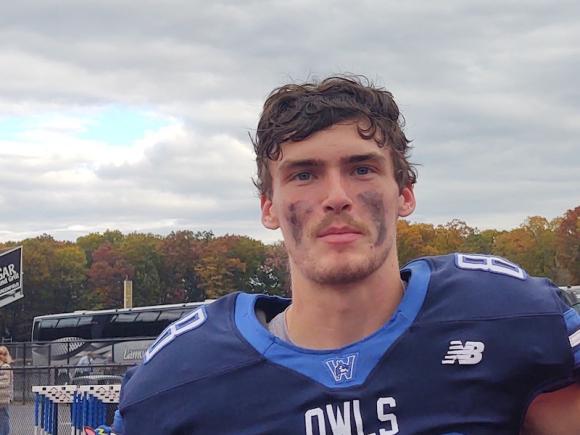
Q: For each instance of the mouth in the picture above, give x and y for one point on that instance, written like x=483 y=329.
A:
x=338 y=235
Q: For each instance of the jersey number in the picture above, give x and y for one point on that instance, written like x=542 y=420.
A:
x=489 y=264
x=191 y=321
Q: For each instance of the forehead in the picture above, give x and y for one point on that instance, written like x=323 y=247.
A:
x=332 y=145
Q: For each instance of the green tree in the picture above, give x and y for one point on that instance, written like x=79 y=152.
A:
x=70 y=275
x=42 y=290
x=142 y=252
x=481 y=242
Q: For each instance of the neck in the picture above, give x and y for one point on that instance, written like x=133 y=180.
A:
x=333 y=316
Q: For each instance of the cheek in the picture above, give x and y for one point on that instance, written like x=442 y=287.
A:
x=296 y=215
x=373 y=202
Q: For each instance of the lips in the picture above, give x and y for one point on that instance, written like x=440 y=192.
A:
x=337 y=231
x=339 y=235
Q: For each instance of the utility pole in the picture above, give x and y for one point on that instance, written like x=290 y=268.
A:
x=127 y=293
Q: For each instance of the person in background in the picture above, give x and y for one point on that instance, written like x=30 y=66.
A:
x=6 y=389
x=84 y=366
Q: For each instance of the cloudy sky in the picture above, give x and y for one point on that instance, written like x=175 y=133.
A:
x=134 y=115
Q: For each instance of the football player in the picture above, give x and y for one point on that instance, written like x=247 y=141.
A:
x=455 y=344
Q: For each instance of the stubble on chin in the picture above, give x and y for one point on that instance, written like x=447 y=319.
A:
x=340 y=268
x=344 y=272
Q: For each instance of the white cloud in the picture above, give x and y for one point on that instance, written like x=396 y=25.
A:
x=487 y=89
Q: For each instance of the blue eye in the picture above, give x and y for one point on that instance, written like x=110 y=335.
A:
x=303 y=176
x=362 y=170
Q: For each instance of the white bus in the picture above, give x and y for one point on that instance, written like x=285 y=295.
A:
x=118 y=336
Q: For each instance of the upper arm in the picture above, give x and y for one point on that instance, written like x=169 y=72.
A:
x=558 y=412
x=555 y=413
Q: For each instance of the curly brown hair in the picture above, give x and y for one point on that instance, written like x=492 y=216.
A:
x=293 y=112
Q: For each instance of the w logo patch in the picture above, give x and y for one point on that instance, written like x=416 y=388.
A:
x=342 y=369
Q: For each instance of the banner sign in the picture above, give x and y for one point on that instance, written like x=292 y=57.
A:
x=11 y=276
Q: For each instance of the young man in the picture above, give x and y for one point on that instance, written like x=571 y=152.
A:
x=458 y=344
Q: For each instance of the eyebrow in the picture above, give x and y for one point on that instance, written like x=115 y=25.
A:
x=358 y=158
x=291 y=165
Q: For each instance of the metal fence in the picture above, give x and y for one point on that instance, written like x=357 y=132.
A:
x=27 y=375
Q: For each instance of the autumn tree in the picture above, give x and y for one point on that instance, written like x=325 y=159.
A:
x=272 y=276
x=70 y=275
x=415 y=240
x=105 y=278
x=180 y=252
x=92 y=241
x=54 y=273
x=531 y=245
x=190 y=266
x=229 y=263
x=142 y=252
x=567 y=242
x=481 y=242
x=451 y=237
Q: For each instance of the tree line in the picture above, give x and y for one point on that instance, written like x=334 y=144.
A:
x=186 y=266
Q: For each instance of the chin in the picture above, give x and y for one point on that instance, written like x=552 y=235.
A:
x=345 y=270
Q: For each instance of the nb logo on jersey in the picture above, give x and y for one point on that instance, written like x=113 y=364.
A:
x=342 y=369
x=470 y=353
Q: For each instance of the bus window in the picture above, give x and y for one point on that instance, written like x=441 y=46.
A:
x=69 y=322
x=66 y=328
x=85 y=320
x=85 y=327
x=109 y=324
x=46 y=329
x=147 y=325
x=171 y=316
x=124 y=325
x=124 y=318
x=148 y=316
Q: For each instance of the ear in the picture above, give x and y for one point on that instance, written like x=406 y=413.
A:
x=406 y=201
x=269 y=218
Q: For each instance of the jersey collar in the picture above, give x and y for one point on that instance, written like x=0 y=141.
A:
x=337 y=368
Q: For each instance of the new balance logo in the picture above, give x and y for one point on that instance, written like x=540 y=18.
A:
x=342 y=369
x=470 y=353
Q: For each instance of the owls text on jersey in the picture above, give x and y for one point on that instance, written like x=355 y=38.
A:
x=472 y=342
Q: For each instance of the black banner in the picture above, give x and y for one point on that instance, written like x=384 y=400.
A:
x=10 y=276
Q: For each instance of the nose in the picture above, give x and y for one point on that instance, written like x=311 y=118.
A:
x=337 y=197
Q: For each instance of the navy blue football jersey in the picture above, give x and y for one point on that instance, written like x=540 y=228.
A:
x=472 y=342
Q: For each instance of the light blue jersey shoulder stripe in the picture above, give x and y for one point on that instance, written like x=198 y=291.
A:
x=572 y=319
x=339 y=368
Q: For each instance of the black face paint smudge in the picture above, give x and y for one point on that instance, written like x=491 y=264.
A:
x=373 y=201
x=297 y=212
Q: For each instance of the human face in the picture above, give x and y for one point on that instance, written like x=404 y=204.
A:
x=335 y=198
